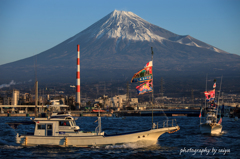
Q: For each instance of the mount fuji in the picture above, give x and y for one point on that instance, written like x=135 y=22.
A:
x=116 y=47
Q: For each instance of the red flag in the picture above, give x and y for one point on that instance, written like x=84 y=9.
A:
x=210 y=94
x=200 y=113
x=149 y=64
x=214 y=85
x=220 y=121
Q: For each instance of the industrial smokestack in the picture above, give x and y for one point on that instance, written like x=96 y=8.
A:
x=78 y=98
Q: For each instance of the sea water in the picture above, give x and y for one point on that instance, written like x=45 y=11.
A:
x=188 y=142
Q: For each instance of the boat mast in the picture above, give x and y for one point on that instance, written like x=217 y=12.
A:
x=219 y=95
x=152 y=84
x=205 y=100
x=99 y=121
x=206 y=91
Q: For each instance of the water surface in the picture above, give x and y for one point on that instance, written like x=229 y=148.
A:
x=188 y=142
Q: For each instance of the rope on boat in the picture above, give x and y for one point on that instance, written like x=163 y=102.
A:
x=25 y=141
x=66 y=141
x=162 y=110
x=170 y=132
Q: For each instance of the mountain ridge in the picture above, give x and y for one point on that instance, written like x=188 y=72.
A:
x=120 y=43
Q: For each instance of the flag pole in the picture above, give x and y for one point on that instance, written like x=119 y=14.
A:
x=152 y=85
x=206 y=91
x=205 y=101
x=219 y=95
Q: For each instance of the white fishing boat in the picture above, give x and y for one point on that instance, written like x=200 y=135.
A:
x=61 y=130
x=210 y=124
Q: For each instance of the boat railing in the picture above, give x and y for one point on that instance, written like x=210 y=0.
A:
x=97 y=129
x=169 y=123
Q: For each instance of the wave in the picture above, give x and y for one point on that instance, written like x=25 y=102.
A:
x=10 y=147
x=134 y=145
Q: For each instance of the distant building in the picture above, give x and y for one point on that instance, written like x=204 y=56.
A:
x=71 y=100
x=1 y=100
x=15 y=97
x=134 y=101
x=7 y=100
x=60 y=98
x=117 y=102
x=26 y=98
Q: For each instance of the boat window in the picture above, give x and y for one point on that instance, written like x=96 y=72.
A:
x=64 y=123
x=49 y=130
x=73 y=123
x=41 y=126
x=49 y=126
x=211 y=118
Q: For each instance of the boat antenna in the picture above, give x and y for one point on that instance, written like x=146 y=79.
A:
x=205 y=100
x=152 y=84
x=99 y=121
x=206 y=91
x=219 y=94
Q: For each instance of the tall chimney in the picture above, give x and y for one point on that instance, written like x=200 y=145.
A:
x=78 y=97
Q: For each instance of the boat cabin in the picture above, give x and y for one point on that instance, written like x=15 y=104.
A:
x=56 y=125
x=60 y=125
x=211 y=117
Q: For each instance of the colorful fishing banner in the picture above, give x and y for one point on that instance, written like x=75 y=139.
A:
x=143 y=75
x=210 y=95
x=145 y=87
x=142 y=79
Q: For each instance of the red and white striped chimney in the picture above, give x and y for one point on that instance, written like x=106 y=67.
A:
x=78 y=98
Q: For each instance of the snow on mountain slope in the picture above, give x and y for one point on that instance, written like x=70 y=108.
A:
x=190 y=41
x=122 y=25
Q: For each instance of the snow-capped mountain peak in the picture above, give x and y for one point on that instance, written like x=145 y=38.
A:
x=123 y=24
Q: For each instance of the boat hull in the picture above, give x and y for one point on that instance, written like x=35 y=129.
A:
x=210 y=128
x=97 y=140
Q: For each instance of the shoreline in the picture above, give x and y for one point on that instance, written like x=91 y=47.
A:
x=172 y=112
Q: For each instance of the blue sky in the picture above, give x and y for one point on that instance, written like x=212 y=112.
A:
x=29 y=27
